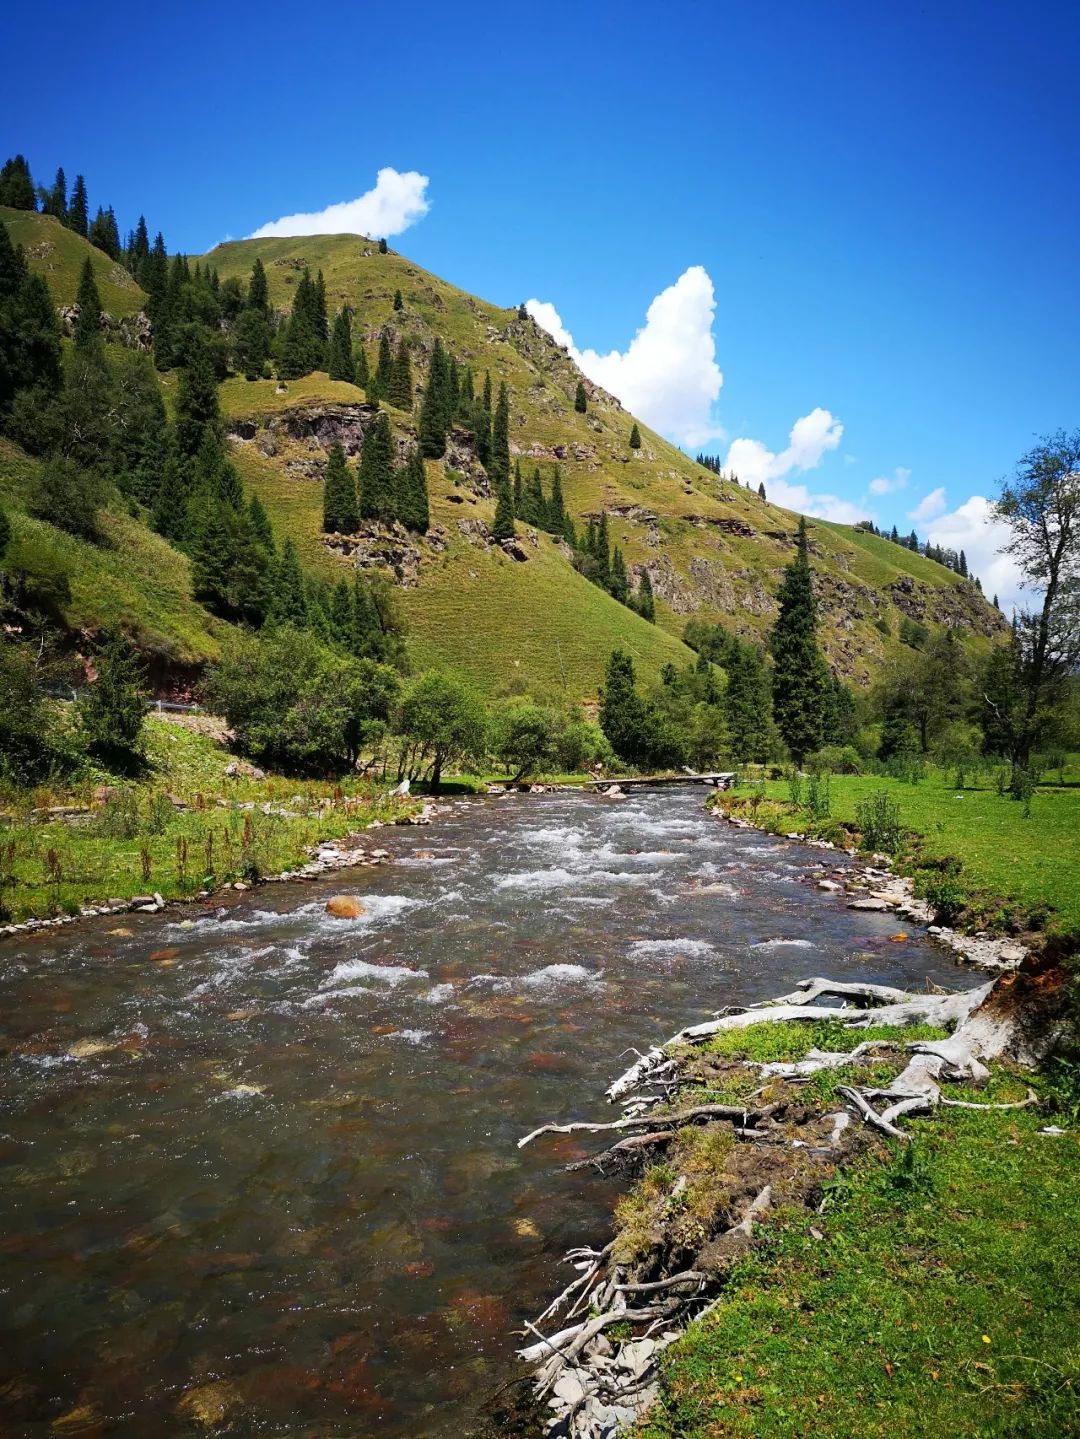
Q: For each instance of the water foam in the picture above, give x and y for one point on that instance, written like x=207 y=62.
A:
x=663 y=948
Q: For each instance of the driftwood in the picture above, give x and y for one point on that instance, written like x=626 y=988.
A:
x=592 y=1388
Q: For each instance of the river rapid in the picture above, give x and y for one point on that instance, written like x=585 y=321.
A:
x=270 y=1157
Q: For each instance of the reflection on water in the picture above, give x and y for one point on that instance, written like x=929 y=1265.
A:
x=262 y=1168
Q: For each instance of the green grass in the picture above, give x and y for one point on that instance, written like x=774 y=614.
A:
x=941 y=1299
x=132 y=579
x=1033 y=863
x=244 y=399
x=59 y=866
x=59 y=255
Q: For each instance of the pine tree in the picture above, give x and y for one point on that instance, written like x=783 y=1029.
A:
x=363 y=373
x=113 y=709
x=800 y=674
x=502 y=527
x=197 y=407
x=400 y=393
x=259 y=521
x=139 y=248
x=377 y=471
x=288 y=599
x=87 y=331
x=170 y=508
x=519 y=495
x=556 y=509
x=746 y=704
x=78 y=215
x=16 y=185
x=258 y=290
x=104 y=234
x=251 y=337
x=214 y=479
x=384 y=369
x=383 y=247
x=635 y=437
x=29 y=328
x=304 y=346
x=995 y=603
x=761 y=490
x=341 y=365
x=319 y=320
x=581 y=403
x=499 y=467
x=433 y=421
x=399 y=303
x=54 y=200
x=603 y=552
x=963 y=565
x=340 y=512
x=619 y=585
x=413 y=509
x=534 y=500
x=623 y=713
x=646 y=604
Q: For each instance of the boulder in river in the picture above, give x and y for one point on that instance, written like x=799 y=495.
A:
x=345 y=906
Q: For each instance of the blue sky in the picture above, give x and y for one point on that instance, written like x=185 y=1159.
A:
x=883 y=198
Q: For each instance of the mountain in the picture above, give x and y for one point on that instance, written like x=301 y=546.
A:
x=513 y=615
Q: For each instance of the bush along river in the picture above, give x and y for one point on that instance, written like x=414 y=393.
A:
x=260 y=1171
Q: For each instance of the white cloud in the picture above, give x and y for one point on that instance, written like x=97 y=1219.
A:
x=397 y=201
x=973 y=529
x=929 y=506
x=810 y=439
x=668 y=374
x=887 y=484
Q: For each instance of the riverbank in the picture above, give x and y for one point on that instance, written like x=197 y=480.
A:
x=813 y=1261
x=196 y=820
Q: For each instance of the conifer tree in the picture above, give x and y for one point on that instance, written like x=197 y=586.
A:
x=87 y=331
x=258 y=296
x=139 y=247
x=104 y=234
x=646 y=604
x=16 y=185
x=556 y=509
x=288 y=599
x=383 y=247
x=29 y=329
x=377 y=471
x=399 y=303
x=214 y=479
x=581 y=403
x=341 y=365
x=800 y=674
x=384 y=369
x=413 y=508
x=251 y=336
x=603 y=551
x=170 y=509
x=197 y=409
x=113 y=709
x=623 y=714
x=400 y=393
x=503 y=525
x=78 y=215
x=54 y=200
x=319 y=319
x=363 y=373
x=340 y=512
x=534 y=499
x=499 y=467
x=433 y=421
x=746 y=704
x=635 y=436
x=761 y=489
x=259 y=521
x=963 y=565
x=341 y=615
x=519 y=495
x=619 y=585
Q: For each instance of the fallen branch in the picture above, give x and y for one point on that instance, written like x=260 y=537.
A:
x=684 y=1116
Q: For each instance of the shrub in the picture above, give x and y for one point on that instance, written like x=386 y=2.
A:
x=878 y=819
x=818 y=804
x=944 y=894
x=836 y=759
x=69 y=497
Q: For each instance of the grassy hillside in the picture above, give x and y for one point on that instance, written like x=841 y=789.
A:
x=58 y=254
x=712 y=549
x=133 y=579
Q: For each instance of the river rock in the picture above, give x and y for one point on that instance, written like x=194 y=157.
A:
x=345 y=906
x=830 y=886
x=871 y=903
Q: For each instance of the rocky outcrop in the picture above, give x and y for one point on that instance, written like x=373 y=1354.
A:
x=132 y=331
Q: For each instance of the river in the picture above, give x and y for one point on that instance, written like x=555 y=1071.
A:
x=273 y=1153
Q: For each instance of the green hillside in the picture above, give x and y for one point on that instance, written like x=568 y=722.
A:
x=58 y=254
x=712 y=549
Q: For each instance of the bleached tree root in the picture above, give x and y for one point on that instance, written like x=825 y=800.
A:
x=594 y=1385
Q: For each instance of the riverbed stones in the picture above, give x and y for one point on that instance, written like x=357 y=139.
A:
x=870 y=903
x=345 y=906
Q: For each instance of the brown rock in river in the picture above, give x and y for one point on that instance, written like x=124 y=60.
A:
x=345 y=906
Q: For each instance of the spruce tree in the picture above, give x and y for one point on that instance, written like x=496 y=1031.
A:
x=258 y=291
x=746 y=704
x=800 y=674
x=432 y=424
x=646 y=604
x=377 y=471
x=534 y=499
x=399 y=303
x=379 y=388
x=581 y=403
x=197 y=409
x=400 y=393
x=78 y=214
x=603 y=551
x=499 y=467
x=104 y=234
x=635 y=436
x=503 y=525
x=363 y=373
x=259 y=521
x=413 y=509
x=761 y=490
x=29 y=329
x=556 y=509
x=139 y=248
x=251 y=337
x=87 y=331
x=16 y=185
x=623 y=713
x=54 y=200
x=340 y=512
x=170 y=506
x=383 y=247
x=341 y=365
x=519 y=496
x=619 y=585
x=288 y=599
x=112 y=710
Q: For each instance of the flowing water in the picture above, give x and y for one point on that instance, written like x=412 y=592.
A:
x=274 y=1152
